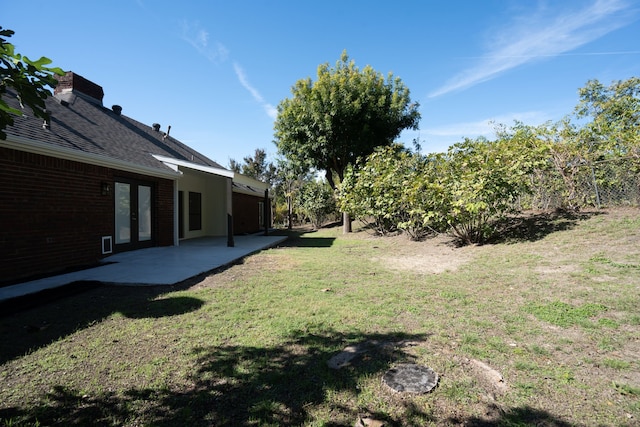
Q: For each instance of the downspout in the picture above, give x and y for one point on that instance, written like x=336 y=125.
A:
x=266 y=211
x=176 y=224
x=230 y=242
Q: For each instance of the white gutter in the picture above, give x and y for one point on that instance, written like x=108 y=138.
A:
x=173 y=163
x=250 y=182
x=46 y=149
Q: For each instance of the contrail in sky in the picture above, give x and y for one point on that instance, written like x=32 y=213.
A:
x=542 y=37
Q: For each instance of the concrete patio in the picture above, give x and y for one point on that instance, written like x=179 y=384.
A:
x=155 y=266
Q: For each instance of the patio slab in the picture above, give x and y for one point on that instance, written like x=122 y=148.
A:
x=154 y=266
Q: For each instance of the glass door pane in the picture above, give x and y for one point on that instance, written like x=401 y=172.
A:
x=144 y=213
x=123 y=212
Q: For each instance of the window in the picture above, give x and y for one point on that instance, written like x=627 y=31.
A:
x=195 y=211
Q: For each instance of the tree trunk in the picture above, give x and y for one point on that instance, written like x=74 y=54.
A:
x=346 y=223
x=289 y=213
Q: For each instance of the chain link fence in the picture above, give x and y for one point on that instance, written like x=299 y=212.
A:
x=607 y=183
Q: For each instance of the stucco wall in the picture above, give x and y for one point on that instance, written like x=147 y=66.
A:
x=214 y=205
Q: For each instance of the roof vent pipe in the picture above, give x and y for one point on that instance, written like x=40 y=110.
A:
x=117 y=109
x=156 y=127
x=46 y=123
x=166 y=134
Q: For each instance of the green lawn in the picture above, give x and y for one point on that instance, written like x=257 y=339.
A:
x=553 y=309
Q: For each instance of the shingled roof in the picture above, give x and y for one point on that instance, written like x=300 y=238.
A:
x=80 y=122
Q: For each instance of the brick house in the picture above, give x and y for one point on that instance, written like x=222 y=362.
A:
x=91 y=181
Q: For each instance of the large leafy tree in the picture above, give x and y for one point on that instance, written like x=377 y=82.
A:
x=30 y=80
x=345 y=114
x=615 y=112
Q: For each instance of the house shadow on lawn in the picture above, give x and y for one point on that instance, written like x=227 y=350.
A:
x=304 y=237
x=259 y=385
x=33 y=321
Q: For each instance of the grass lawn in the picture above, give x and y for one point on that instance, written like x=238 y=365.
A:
x=540 y=328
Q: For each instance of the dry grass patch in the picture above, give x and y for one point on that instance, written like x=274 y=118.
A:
x=433 y=256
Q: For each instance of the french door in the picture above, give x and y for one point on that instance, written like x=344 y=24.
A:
x=133 y=215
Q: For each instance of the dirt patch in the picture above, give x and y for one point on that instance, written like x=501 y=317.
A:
x=432 y=256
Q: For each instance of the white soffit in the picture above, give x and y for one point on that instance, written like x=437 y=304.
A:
x=174 y=163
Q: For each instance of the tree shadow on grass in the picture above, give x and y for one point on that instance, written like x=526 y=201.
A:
x=286 y=384
x=238 y=385
x=536 y=226
x=519 y=416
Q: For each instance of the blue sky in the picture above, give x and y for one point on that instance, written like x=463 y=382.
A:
x=216 y=70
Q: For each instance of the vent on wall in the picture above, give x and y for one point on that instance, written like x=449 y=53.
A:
x=107 y=246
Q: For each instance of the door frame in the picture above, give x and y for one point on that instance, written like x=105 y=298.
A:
x=134 y=241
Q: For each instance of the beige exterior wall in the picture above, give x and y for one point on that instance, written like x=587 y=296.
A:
x=214 y=202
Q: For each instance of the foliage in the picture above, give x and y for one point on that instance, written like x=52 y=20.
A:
x=30 y=80
x=343 y=115
x=372 y=189
x=393 y=189
x=483 y=178
x=557 y=183
x=317 y=202
x=256 y=167
x=464 y=190
x=288 y=181
x=615 y=113
x=595 y=154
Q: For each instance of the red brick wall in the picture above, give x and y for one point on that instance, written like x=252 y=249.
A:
x=246 y=218
x=163 y=212
x=53 y=214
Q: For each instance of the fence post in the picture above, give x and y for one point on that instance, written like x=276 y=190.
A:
x=595 y=185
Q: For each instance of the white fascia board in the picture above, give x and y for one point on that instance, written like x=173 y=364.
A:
x=37 y=147
x=174 y=163
x=250 y=182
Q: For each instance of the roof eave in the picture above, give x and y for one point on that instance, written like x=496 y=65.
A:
x=173 y=163
x=37 y=147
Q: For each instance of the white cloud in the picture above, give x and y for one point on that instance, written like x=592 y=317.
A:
x=538 y=36
x=198 y=38
x=202 y=38
x=486 y=126
x=439 y=138
x=244 y=81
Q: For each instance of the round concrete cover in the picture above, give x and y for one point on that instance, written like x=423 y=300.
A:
x=410 y=378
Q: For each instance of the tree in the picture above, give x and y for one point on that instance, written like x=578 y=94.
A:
x=615 y=112
x=235 y=166
x=29 y=79
x=483 y=179
x=345 y=114
x=394 y=189
x=290 y=178
x=317 y=202
x=256 y=167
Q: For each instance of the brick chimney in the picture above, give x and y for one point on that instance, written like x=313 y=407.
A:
x=78 y=85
